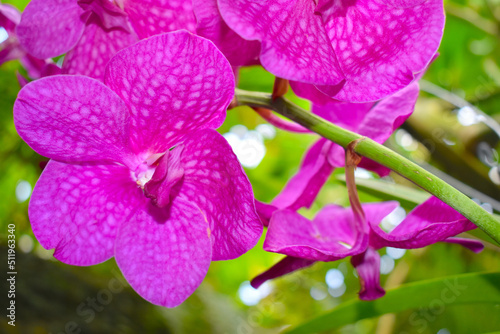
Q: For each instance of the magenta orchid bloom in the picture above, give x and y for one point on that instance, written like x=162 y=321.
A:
x=11 y=49
x=209 y=24
x=373 y=120
x=92 y=31
x=335 y=234
x=356 y=51
x=137 y=171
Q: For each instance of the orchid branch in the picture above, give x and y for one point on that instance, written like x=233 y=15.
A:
x=379 y=153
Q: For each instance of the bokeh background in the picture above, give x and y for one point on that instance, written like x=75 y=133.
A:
x=453 y=132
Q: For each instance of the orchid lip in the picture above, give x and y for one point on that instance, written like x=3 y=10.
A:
x=145 y=170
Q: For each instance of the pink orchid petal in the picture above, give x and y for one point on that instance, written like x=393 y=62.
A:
x=73 y=118
x=49 y=28
x=165 y=260
x=392 y=45
x=237 y=50
x=474 y=245
x=94 y=49
x=38 y=68
x=9 y=17
x=151 y=17
x=428 y=223
x=302 y=189
x=323 y=239
x=175 y=84
x=215 y=181
x=388 y=114
x=107 y=13
x=295 y=45
x=78 y=209
x=265 y=211
x=310 y=92
x=286 y=266
x=368 y=267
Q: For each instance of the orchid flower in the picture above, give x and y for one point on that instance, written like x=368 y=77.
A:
x=90 y=32
x=356 y=51
x=138 y=171
x=10 y=48
x=335 y=234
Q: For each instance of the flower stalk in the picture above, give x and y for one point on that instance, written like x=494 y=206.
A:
x=379 y=153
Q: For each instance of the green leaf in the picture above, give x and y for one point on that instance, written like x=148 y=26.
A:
x=446 y=291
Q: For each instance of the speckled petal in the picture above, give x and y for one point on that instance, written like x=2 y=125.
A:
x=295 y=45
x=94 y=49
x=381 y=47
x=428 y=223
x=175 y=84
x=73 y=118
x=151 y=17
x=164 y=255
x=329 y=237
x=368 y=267
x=286 y=266
x=50 y=28
x=302 y=189
x=78 y=209
x=210 y=24
x=215 y=181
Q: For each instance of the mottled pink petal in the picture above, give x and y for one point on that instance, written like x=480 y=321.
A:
x=295 y=45
x=367 y=265
x=164 y=261
x=73 y=118
x=94 y=49
x=78 y=209
x=151 y=17
x=108 y=14
x=215 y=181
x=302 y=189
x=428 y=223
x=288 y=265
x=329 y=237
x=237 y=50
x=175 y=84
x=474 y=245
x=50 y=28
x=380 y=47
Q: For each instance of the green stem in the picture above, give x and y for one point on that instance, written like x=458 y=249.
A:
x=379 y=153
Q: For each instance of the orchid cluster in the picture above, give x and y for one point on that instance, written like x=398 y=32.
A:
x=138 y=171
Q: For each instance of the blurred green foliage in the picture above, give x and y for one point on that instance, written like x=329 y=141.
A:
x=50 y=293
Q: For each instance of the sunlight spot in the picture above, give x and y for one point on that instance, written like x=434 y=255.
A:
x=23 y=191
x=3 y=35
x=318 y=293
x=393 y=219
x=338 y=291
x=250 y=296
x=386 y=264
x=266 y=130
x=395 y=253
x=467 y=116
x=26 y=243
x=334 y=278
